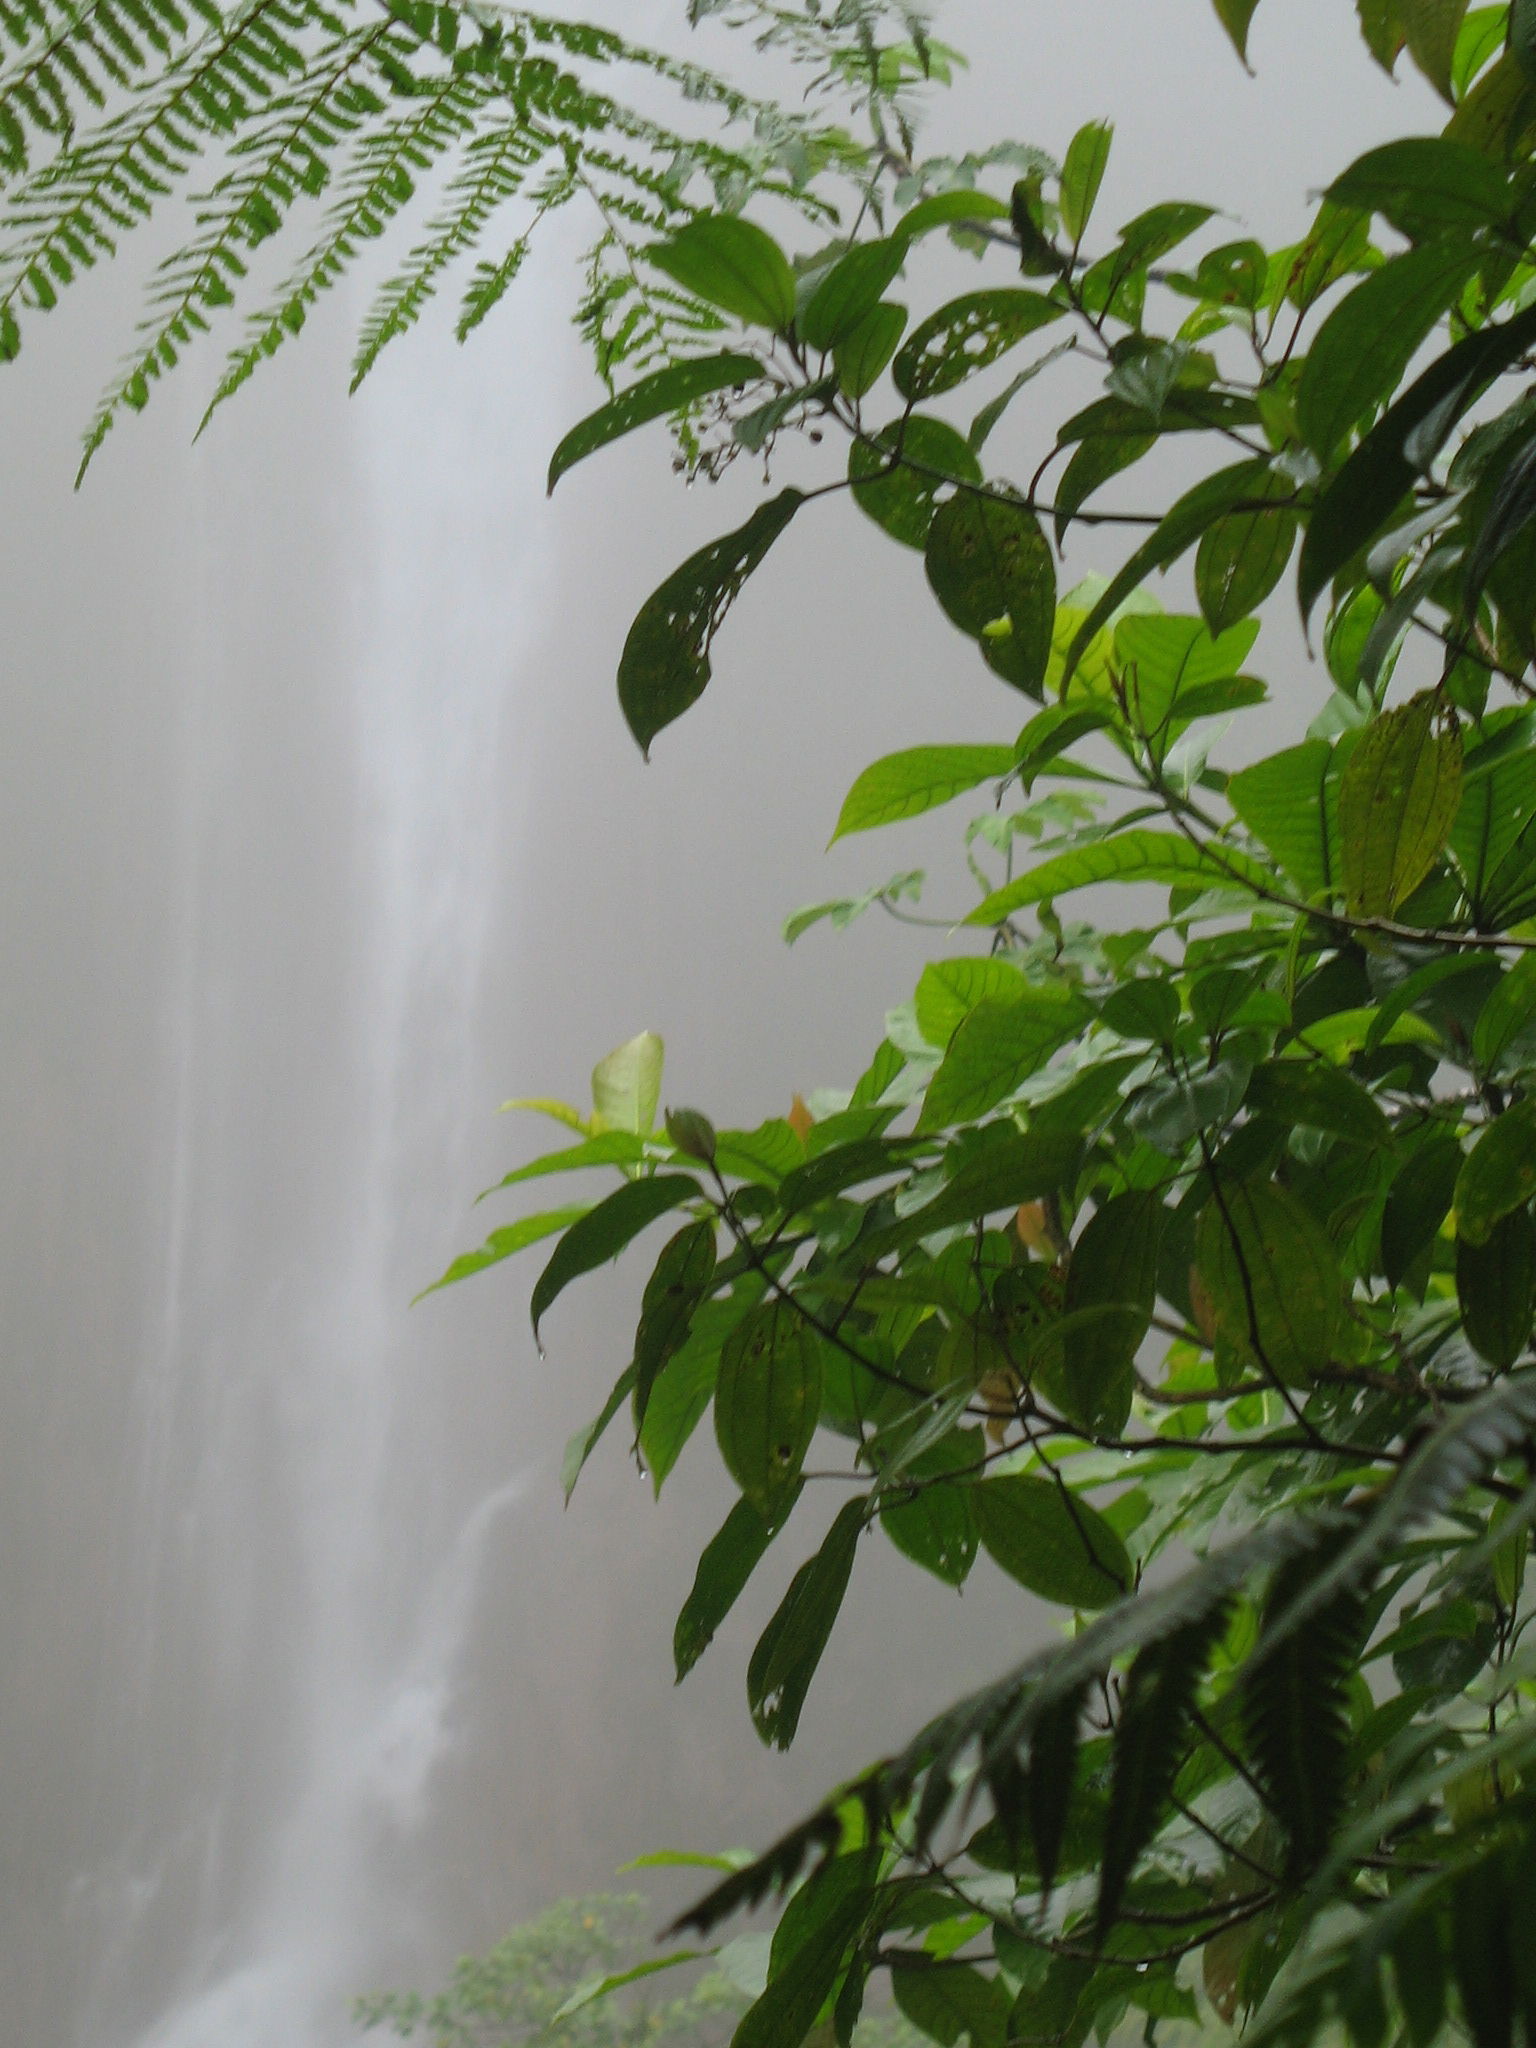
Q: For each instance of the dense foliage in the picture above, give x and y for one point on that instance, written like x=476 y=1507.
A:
x=1186 y=1268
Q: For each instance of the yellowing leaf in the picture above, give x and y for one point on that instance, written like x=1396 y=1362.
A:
x=1397 y=801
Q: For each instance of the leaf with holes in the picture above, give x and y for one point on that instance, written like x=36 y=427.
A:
x=682 y=1278
x=991 y=569
x=790 y=1648
x=768 y=1401
x=665 y=664
x=897 y=477
x=1397 y=800
x=966 y=336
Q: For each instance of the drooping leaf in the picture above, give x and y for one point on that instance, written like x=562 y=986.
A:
x=1499 y=1174
x=1397 y=799
x=906 y=784
x=727 y=1562
x=789 y=1650
x=991 y=569
x=898 y=475
x=768 y=1402
x=934 y=1525
x=600 y=1234
x=1369 y=339
x=1114 y=1268
x=1053 y=1754
x=733 y=264
x=838 y=1895
x=502 y=1244
x=665 y=665
x=965 y=336
x=681 y=1279
x=1272 y=1278
x=583 y=1442
x=1051 y=1541
x=661 y=394
x=1242 y=557
x=1496 y=1286
x=1417 y=1205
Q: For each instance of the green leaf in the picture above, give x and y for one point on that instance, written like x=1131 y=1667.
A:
x=952 y=2003
x=1235 y=16
x=1140 y=855
x=1319 y=1098
x=1052 y=731
x=609 y=1148
x=501 y=1244
x=849 y=293
x=600 y=1234
x=933 y=1525
x=1151 y=1739
x=863 y=353
x=1241 y=558
x=1522 y=36
x=948 y=990
x=728 y=1561
x=1175 y=533
x=583 y=1442
x=1504 y=1034
x=1052 y=1542
x=1368 y=489
x=897 y=477
x=682 y=1278
x=1290 y=801
x=1110 y=285
x=1432 y=28
x=1022 y=1167
x=1425 y=185
x=917 y=779
x=954 y=209
x=626 y=1086
x=804 y=1980
x=968 y=335
x=733 y=264
x=1397 y=800
x=768 y=1402
x=665 y=664
x=991 y=569
x=1000 y=1043
x=1113 y=1267
x=1144 y=1007
x=789 y=1650
x=1499 y=1174
x=1369 y=339
x=595 y=1988
x=662 y=394
x=1082 y=173
x=1296 y=1710
x=1272 y=1278
x=1418 y=1203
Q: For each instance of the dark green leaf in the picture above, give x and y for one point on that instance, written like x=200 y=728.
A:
x=665 y=664
x=768 y=1402
x=1241 y=558
x=1425 y=185
x=897 y=477
x=1147 y=1007
x=966 y=336
x=1113 y=1267
x=1304 y=1092
x=1235 y=16
x=933 y=1525
x=1419 y=1202
x=584 y=1441
x=1505 y=1033
x=953 y=2003
x=683 y=1277
x=1052 y=1542
x=665 y=392
x=904 y=785
x=803 y=1979
x=733 y=264
x=1495 y=1281
x=602 y=1233
x=1499 y=1174
x=1369 y=339
x=1397 y=800
x=1053 y=1754
x=1273 y=1281
x=785 y=1660
x=728 y=1561
x=991 y=569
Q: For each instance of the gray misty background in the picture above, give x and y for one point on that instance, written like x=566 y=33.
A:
x=321 y=836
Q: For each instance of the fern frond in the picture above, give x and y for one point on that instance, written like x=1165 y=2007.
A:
x=377 y=186
x=287 y=157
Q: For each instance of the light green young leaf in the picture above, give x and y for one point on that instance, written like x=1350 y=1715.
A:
x=501 y=1244
x=1000 y=1043
x=1082 y=173
x=1290 y=801
x=626 y=1086
x=904 y=785
x=948 y=990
